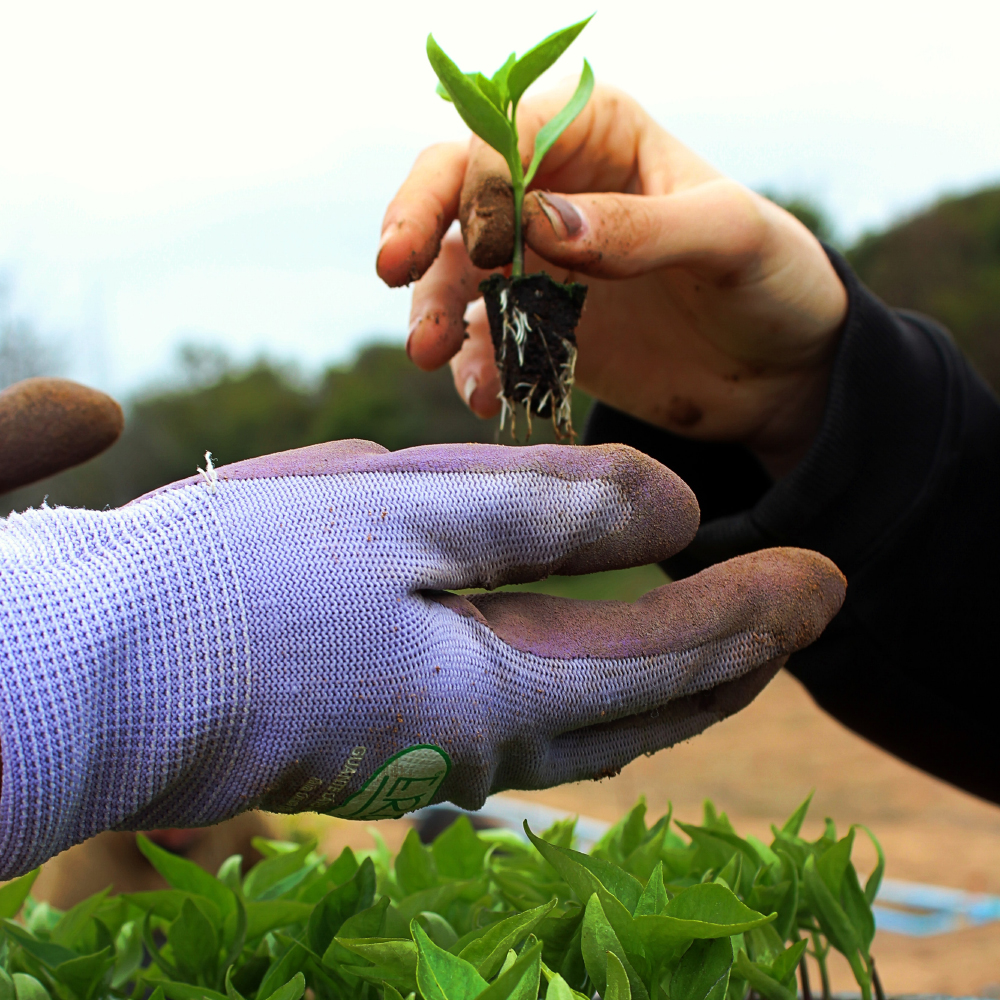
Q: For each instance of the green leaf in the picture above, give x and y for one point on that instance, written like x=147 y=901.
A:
x=273 y=915
x=486 y=952
x=167 y=903
x=520 y=981
x=272 y=877
x=857 y=908
x=761 y=981
x=597 y=938
x=49 y=954
x=437 y=929
x=230 y=873
x=784 y=966
x=283 y=969
x=128 y=952
x=14 y=893
x=585 y=874
x=441 y=975
x=832 y=863
x=557 y=124
x=194 y=941
x=500 y=80
x=187 y=876
x=458 y=852
x=75 y=921
x=7 y=989
x=618 y=987
x=184 y=991
x=292 y=990
x=875 y=879
x=700 y=912
x=415 y=868
x=357 y=894
x=536 y=61
x=85 y=975
x=392 y=960
x=476 y=110
x=28 y=988
x=703 y=972
x=389 y=992
x=654 y=897
x=794 y=822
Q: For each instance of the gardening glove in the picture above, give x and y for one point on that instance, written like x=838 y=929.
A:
x=50 y=424
x=276 y=634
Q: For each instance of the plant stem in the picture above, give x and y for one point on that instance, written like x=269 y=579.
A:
x=804 y=975
x=820 y=955
x=879 y=992
x=517 y=267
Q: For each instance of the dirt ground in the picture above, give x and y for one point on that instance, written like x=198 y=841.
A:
x=758 y=766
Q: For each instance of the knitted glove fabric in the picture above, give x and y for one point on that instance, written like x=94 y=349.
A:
x=275 y=635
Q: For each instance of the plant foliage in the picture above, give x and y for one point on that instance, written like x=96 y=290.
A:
x=667 y=912
x=488 y=105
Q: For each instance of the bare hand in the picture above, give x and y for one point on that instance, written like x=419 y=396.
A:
x=712 y=312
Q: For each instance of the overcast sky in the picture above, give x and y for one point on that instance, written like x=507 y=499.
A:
x=217 y=172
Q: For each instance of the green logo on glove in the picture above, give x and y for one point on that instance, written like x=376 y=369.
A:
x=405 y=782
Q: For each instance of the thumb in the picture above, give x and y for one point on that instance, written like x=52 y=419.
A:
x=51 y=424
x=621 y=235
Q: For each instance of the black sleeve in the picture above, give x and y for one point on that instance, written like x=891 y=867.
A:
x=901 y=489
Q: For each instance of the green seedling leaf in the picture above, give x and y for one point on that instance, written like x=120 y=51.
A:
x=508 y=962
x=194 y=941
x=337 y=874
x=292 y=990
x=86 y=975
x=761 y=981
x=273 y=915
x=441 y=975
x=7 y=989
x=415 y=868
x=392 y=960
x=187 y=876
x=128 y=951
x=703 y=972
x=559 y=989
x=14 y=893
x=536 y=61
x=625 y=836
x=654 y=897
x=784 y=966
x=283 y=969
x=438 y=899
x=231 y=991
x=520 y=981
x=875 y=879
x=857 y=908
x=707 y=910
x=355 y=895
x=794 y=822
x=274 y=876
x=167 y=903
x=597 y=938
x=458 y=852
x=486 y=952
x=618 y=986
x=832 y=863
x=389 y=992
x=585 y=873
x=476 y=110
x=230 y=873
x=555 y=126
x=437 y=929
x=49 y=954
x=28 y=988
x=184 y=991
x=75 y=921
x=500 y=81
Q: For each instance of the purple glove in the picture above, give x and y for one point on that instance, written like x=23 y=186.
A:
x=274 y=634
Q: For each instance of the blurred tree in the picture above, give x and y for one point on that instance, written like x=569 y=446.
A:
x=944 y=262
x=23 y=353
x=239 y=413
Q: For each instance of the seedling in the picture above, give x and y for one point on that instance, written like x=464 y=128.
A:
x=532 y=318
x=668 y=909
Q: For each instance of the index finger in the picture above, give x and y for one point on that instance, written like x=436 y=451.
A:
x=418 y=217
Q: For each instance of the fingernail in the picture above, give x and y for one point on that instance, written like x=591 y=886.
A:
x=470 y=387
x=409 y=337
x=569 y=215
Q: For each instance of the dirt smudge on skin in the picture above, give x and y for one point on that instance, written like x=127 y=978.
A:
x=487 y=218
x=684 y=412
